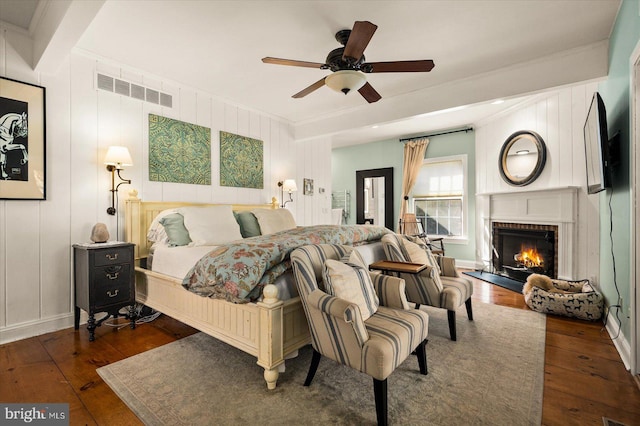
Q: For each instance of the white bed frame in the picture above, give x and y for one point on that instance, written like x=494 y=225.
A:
x=269 y=330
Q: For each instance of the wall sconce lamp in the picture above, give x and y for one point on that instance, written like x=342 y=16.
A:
x=288 y=185
x=117 y=158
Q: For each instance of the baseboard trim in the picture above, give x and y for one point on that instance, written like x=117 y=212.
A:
x=35 y=328
x=465 y=264
x=619 y=340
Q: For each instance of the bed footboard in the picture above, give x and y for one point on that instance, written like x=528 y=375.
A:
x=269 y=330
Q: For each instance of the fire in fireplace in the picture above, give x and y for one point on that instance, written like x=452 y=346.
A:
x=523 y=249
x=529 y=257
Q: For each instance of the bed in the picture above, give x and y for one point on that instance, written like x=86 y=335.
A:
x=269 y=328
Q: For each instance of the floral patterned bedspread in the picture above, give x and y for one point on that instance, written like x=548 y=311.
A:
x=238 y=271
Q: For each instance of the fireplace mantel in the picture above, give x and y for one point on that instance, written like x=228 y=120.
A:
x=554 y=206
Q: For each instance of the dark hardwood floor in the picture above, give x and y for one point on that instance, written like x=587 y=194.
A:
x=585 y=380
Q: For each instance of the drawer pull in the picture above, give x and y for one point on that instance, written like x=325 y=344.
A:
x=111 y=256
x=112 y=295
x=113 y=276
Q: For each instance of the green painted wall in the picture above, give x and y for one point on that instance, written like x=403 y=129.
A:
x=346 y=161
x=615 y=93
x=375 y=155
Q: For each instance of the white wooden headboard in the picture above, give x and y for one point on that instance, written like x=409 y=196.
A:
x=139 y=215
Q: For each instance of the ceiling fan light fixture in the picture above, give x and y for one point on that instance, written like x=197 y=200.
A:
x=346 y=81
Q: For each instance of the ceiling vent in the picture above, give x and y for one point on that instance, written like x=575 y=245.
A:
x=132 y=90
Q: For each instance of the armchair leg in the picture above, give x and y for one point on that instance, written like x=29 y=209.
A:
x=451 y=315
x=421 y=351
x=469 y=309
x=380 y=394
x=315 y=361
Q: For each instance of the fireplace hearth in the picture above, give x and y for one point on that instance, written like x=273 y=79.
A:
x=523 y=249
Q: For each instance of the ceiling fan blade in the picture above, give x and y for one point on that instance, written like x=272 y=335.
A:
x=369 y=93
x=278 y=61
x=359 y=39
x=402 y=66
x=315 y=86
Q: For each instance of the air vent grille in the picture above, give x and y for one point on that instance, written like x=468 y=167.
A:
x=122 y=87
x=105 y=82
x=137 y=92
x=153 y=96
x=166 y=100
x=126 y=88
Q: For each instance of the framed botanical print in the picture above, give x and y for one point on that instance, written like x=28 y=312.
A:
x=22 y=140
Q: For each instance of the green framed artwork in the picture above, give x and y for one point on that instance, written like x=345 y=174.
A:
x=241 y=161
x=179 y=152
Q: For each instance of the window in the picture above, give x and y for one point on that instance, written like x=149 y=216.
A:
x=439 y=196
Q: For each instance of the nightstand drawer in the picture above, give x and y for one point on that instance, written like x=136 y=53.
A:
x=112 y=285
x=112 y=276
x=112 y=256
x=106 y=296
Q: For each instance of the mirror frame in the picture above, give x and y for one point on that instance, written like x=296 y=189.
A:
x=387 y=174
x=540 y=162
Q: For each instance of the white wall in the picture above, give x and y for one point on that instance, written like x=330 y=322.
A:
x=559 y=118
x=36 y=287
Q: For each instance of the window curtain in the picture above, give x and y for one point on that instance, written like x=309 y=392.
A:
x=413 y=157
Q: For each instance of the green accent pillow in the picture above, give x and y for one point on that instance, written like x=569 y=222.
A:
x=249 y=226
x=174 y=227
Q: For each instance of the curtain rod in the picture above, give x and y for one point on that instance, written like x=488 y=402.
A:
x=466 y=129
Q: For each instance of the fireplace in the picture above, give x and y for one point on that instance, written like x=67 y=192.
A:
x=521 y=249
x=553 y=209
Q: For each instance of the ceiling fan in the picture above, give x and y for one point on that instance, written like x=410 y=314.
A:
x=348 y=64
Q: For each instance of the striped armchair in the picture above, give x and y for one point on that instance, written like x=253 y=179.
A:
x=375 y=346
x=442 y=289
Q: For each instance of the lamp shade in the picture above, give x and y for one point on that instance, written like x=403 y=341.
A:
x=345 y=81
x=118 y=156
x=289 y=185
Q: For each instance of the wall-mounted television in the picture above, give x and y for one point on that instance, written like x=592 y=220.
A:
x=597 y=147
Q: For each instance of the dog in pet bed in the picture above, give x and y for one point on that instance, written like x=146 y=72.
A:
x=541 y=281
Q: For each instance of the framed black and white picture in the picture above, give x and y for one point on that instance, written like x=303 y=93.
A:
x=22 y=140
x=308 y=187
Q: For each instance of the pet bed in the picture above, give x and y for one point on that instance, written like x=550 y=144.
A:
x=581 y=301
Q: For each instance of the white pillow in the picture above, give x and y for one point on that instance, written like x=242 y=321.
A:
x=272 y=221
x=351 y=283
x=156 y=232
x=421 y=254
x=417 y=254
x=210 y=226
x=354 y=258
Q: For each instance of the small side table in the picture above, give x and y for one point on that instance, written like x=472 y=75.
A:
x=387 y=266
x=104 y=281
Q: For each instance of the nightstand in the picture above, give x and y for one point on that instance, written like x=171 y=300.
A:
x=104 y=281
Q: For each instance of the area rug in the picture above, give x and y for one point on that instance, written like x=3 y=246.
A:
x=499 y=280
x=493 y=375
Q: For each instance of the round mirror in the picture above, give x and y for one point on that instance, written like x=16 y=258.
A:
x=522 y=158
